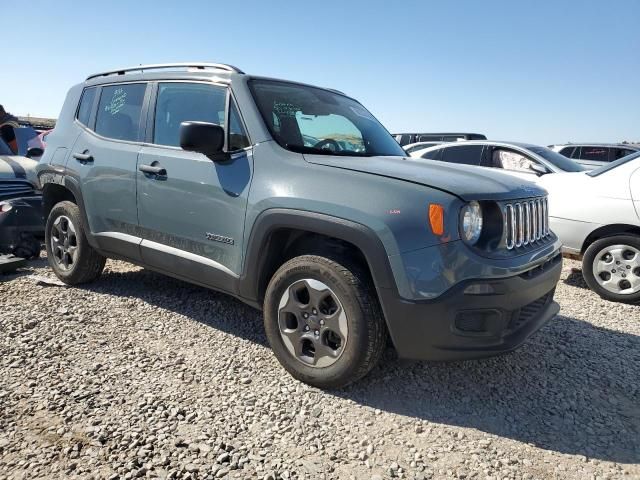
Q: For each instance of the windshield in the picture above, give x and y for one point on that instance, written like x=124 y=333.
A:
x=312 y=120
x=612 y=165
x=560 y=161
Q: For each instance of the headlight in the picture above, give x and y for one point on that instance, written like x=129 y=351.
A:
x=471 y=222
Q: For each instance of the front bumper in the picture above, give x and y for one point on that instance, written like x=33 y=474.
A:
x=23 y=221
x=459 y=325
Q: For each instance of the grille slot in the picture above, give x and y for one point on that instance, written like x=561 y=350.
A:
x=530 y=311
x=15 y=188
x=526 y=222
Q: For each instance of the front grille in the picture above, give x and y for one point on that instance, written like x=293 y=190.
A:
x=527 y=313
x=15 y=188
x=526 y=222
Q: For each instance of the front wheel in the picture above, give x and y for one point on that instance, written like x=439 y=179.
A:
x=611 y=268
x=323 y=321
x=70 y=256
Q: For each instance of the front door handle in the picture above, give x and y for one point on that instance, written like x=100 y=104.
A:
x=160 y=171
x=83 y=157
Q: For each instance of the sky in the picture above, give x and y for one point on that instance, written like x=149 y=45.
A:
x=536 y=71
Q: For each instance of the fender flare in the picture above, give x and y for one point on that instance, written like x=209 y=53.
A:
x=364 y=238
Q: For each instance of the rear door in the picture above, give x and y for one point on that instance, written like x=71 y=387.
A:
x=104 y=158
x=192 y=215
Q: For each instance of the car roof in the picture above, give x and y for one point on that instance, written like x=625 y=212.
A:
x=496 y=143
x=597 y=144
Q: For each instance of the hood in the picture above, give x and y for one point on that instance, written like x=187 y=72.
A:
x=465 y=181
x=14 y=167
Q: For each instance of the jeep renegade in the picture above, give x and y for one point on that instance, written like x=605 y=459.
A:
x=296 y=200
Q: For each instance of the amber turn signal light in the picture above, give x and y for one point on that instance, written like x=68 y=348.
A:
x=436 y=218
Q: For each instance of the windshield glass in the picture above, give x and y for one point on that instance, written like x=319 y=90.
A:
x=560 y=161
x=612 y=165
x=312 y=120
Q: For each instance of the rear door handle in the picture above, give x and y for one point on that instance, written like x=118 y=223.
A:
x=83 y=157
x=160 y=171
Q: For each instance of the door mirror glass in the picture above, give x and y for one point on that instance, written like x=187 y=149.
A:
x=203 y=137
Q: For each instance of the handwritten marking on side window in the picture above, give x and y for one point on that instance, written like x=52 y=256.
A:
x=117 y=101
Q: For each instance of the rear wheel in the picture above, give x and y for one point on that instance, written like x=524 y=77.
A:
x=70 y=256
x=611 y=268
x=323 y=321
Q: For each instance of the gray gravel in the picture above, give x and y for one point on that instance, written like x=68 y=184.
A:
x=141 y=376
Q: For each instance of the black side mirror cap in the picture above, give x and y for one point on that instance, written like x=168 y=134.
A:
x=203 y=137
x=34 y=152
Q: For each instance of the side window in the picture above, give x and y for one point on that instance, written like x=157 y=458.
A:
x=238 y=138
x=86 y=102
x=596 y=154
x=621 y=152
x=433 y=154
x=509 y=160
x=567 y=151
x=467 y=154
x=179 y=102
x=119 y=111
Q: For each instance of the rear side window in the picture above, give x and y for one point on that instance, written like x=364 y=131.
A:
x=595 y=154
x=179 y=102
x=467 y=154
x=86 y=103
x=433 y=154
x=119 y=111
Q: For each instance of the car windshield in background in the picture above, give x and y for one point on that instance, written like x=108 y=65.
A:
x=306 y=119
x=612 y=165
x=560 y=161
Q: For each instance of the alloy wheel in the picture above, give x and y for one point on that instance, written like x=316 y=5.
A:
x=64 y=242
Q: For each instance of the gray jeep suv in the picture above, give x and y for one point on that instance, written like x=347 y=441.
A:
x=295 y=200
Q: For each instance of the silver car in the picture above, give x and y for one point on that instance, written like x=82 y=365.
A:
x=596 y=214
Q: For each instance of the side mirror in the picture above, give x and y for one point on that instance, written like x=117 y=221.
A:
x=34 y=152
x=203 y=137
x=538 y=169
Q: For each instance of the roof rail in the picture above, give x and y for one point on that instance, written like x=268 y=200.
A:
x=159 y=66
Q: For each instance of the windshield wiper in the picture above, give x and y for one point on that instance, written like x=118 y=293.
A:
x=324 y=151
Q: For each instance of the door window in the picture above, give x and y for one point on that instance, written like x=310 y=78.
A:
x=238 y=138
x=510 y=160
x=594 y=154
x=86 y=103
x=433 y=154
x=119 y=111
x=567 y=151
x=179 y=102
x=467 y=154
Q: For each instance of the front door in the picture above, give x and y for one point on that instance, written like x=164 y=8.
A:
x=104 y=159
x=191 y=213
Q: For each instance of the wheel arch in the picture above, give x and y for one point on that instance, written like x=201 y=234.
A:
x=608 y=231
x=278 y=234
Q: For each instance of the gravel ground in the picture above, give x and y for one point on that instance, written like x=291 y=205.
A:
x=141 y=376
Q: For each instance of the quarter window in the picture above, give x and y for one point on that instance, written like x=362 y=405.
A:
x=184 y=102
x=86 y=103
x=119 y=111
x=622 y=152
x=238 y=138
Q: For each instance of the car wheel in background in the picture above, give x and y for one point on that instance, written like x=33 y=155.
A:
x=611 y=268
x=323 y=321
x=70 y=256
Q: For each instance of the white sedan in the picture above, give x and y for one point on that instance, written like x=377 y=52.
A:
x=596 y=214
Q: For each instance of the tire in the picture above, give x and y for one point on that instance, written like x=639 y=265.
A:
x=81 y=263
x=596 y=268
x=355 y=342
